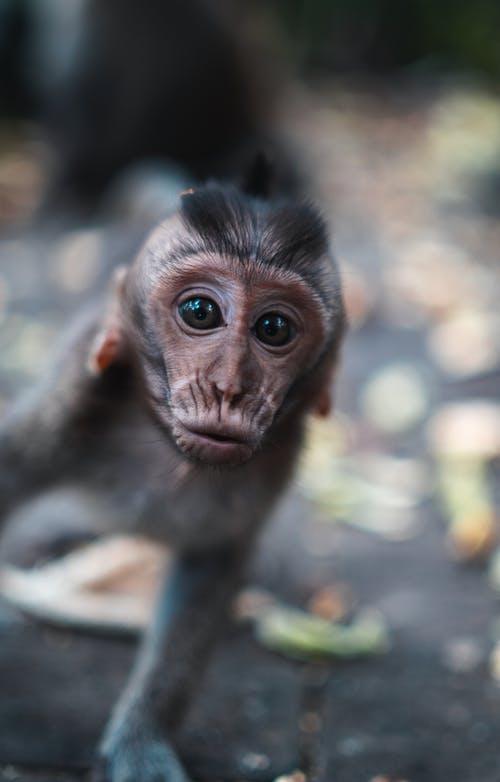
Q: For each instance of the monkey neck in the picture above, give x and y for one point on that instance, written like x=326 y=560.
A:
x=209 y=506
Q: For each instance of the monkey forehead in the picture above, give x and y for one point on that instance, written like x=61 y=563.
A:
x=256 y=278
x=172 y=249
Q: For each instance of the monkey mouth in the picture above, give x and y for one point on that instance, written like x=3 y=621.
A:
x=215 y=446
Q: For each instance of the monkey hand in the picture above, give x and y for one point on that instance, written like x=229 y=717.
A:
x=141 y=758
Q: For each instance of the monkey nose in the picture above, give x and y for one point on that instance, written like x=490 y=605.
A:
x=234 y=377
x=231 y=395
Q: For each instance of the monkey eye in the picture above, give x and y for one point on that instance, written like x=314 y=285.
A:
x=200 y=313
x=273 y=329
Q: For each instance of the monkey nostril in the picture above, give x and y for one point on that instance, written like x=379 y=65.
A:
x=232 y=398
x=235 y=399
x=218 y=394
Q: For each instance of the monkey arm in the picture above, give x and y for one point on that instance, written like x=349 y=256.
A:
x=191 y=611
x=49 y=435
x=29 y=451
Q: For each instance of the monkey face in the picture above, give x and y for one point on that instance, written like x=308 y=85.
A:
x=234 y=341
x=232 y=316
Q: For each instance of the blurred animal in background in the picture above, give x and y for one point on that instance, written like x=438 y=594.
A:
x=121 y=82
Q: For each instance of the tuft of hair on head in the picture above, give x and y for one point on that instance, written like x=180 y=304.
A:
x=220 y=218
x=296 y=235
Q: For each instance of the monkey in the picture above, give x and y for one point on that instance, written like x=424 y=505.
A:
x=182 y=398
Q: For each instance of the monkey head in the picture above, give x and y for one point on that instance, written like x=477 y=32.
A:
x=232 y=315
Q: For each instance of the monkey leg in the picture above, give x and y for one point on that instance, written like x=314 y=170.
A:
x=190 y=617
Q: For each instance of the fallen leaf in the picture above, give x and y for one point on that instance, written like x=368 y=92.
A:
x=298 y=634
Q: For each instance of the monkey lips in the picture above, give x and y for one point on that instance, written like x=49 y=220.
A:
x=217 y=446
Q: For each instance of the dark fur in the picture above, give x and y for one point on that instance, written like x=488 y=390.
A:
x=282 y=234
x=116 y=83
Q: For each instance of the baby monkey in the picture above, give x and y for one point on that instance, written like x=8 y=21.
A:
x=183 y=400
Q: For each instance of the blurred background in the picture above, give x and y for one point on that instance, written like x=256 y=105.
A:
x=388 y=115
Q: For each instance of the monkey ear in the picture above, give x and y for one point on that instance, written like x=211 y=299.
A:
x=323 y=401
x=106 y=350
x=323 y=405
x=109 y=345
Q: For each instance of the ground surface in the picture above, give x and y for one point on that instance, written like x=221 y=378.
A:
x=429 y=709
